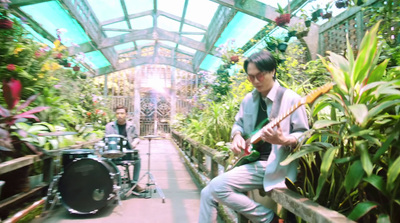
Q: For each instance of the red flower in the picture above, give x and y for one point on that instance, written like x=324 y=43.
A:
x=67 y=65
x=235 y=58
x=38 y=54
x=11 y=92
x=6 y=24
x=88 y=113
x=11 y=67
x=97 y=111
x=59 y=56
x=282 y=19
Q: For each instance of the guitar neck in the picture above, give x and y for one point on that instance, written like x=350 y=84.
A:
x=257 y=136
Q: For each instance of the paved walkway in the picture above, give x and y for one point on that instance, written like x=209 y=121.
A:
x=182 y=196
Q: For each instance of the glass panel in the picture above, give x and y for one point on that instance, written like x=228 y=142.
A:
x=106 y=9
x=274 y=3
x=136 y=6
x=168 y=43
x=141 y=43
x=239 y=30
x=203 y=16
x=118 y=25
x=210 y=63
x=174 y=7
x=56 y=18
x=168 y=24
x=124 y=46
x=96 y=60
x=186 y=49
x=144 y=22
x=195 y=37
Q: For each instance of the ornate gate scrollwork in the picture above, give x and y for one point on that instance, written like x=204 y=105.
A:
x=154 y=107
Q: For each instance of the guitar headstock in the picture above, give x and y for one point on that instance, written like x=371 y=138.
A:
x=318 y=92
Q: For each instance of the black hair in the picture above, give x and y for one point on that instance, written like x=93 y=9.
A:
x=121 y=107
x=263 y=60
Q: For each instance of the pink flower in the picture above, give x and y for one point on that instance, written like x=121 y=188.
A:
x=57 y=86
x=11 y=67
x=11 y=92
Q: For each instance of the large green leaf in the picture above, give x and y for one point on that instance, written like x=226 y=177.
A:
x=360 y=112
x=326 y=164
x=306 y=149
x=380 y=107
x=366 y=55
x=384 y=147
x=393 y=174
x=378 y=72
x=361 y=209
x=377 y=182
x=324 y=123
x=354 y=176
x=365 y=157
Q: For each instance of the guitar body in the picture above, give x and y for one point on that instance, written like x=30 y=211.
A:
x=252 y=157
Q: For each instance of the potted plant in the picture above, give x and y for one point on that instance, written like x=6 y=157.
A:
x=341 y=3
x=328 y=12
x=272 y=43
x=318 y=12
x=283 y=18
x=5 y=21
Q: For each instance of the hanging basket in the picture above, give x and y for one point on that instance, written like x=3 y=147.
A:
x=307 y=23
x=282 y=47
x=341 y=4
x=6 y=23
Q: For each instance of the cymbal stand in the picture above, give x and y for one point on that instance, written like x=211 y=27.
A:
x=151 y=181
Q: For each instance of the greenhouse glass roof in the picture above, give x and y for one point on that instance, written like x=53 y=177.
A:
x=112 y=35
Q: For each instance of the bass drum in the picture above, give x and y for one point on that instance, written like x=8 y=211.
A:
x=87 y=185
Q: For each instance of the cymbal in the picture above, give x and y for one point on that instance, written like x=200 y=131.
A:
x=58 y=133
x=114 y=135
x=151 y=136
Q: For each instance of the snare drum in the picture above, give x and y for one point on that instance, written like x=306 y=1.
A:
x=129 y=155
x=70 y=155
x=89 y=184
x=114 y=146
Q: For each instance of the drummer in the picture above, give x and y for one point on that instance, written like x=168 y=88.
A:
x=126 y=128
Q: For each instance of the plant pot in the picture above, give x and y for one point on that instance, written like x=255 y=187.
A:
x=359 y=2
x=287 y=38
x=327 y=15
x=341 y=4
x=302 y=34
x=307 y=23
x=282 y=47
x=76 y=68
x=271 y=46
x=292 y=33
x=6 y=24
x=35 y=180
x=316 y=14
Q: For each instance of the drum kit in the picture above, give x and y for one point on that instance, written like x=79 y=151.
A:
x=91 y=178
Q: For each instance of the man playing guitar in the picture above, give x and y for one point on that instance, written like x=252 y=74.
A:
x=266 y=102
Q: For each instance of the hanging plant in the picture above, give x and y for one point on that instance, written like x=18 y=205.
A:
x=341 y=3
x=282 y=47
x=76 y=68
x=6 y=23
x=283 y=18
x=328 y=12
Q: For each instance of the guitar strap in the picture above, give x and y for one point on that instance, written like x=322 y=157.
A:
x=277 y=103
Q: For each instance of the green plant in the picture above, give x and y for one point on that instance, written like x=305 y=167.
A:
x=12 y=115
x=351 y=160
